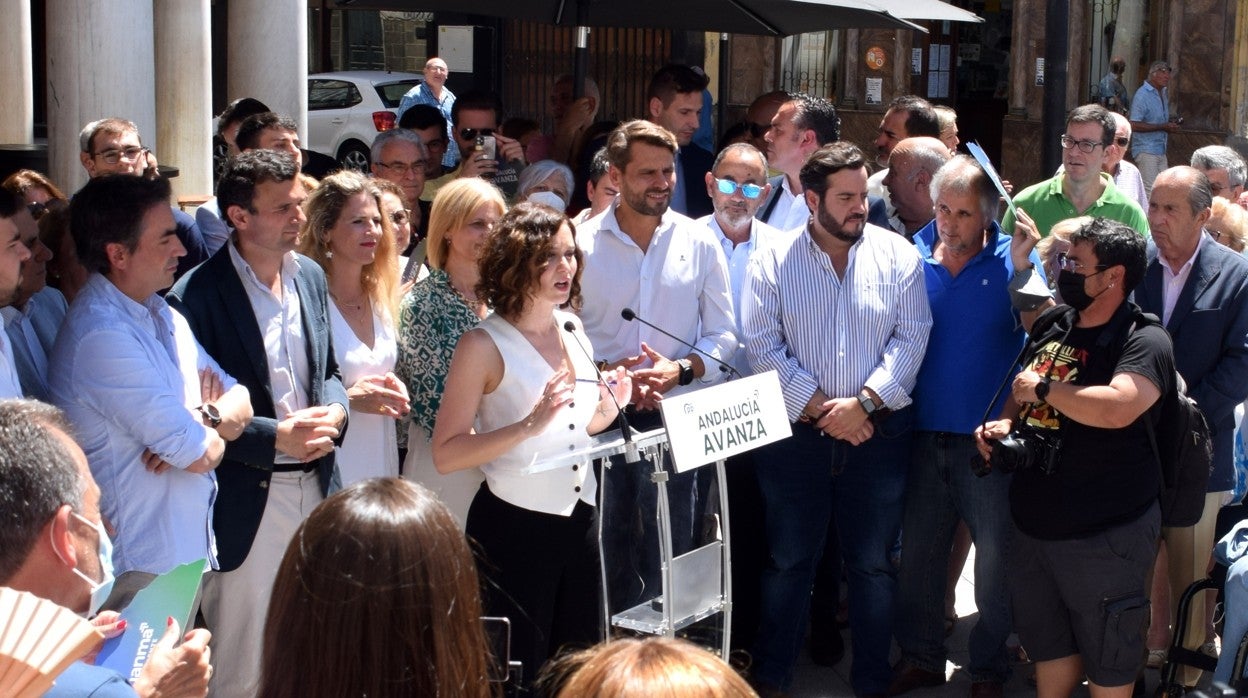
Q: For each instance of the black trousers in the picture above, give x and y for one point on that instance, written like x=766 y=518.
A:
x=541 y=571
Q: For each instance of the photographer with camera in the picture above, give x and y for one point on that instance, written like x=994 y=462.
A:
x=1085 y=486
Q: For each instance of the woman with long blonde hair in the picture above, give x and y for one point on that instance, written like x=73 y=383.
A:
x=347 y=235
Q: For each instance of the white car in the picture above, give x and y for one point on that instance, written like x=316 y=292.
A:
x=347 y=109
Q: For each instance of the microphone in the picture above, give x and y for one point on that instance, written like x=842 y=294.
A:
x=629 y=315
x=630 y=449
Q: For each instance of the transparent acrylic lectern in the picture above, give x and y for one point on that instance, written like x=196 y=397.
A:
x=676 y=576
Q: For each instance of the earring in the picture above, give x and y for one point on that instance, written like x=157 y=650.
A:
x=329 y=252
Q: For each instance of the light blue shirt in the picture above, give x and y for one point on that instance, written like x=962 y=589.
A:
x=1151 y=107
x=819 y=331
x=32 y=331
x=738 y=257
x=127 y=376
x=421 y=94
x=212 y=224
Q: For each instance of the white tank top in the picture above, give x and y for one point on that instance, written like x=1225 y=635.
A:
x=525 y=373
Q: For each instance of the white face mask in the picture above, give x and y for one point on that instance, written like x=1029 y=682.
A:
x=101 y=589
x=548 y=198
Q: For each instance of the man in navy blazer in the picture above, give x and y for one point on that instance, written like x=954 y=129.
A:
x=1199 y=289
x=260 y=310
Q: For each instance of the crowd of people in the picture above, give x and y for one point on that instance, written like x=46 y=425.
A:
x=333 y=388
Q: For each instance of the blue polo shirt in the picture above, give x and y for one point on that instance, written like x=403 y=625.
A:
x=975 y=335
x=1151 y=107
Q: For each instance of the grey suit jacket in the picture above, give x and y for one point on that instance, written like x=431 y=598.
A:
x=1209 y=327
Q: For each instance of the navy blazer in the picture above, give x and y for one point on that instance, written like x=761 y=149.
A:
x=215 y=304
x=1209 y=327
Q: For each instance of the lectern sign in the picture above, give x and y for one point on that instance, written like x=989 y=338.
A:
x=706 y=425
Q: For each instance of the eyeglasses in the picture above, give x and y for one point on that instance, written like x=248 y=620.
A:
x=401 y=216
x=1065 y=262
x=1215 y=234
x=470 y=134
x=1122 y=141
x=729 y=187
x=402 y=168
x=36 y=209
x=1085 y=146
x=758 y=130
x=130 y=154
x=436 y=144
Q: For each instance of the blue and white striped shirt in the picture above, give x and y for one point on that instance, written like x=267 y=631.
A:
x=822 y=332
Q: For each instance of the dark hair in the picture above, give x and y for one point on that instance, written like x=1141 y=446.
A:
x=598 y=166
x=237 y=186
x=921 y=119
x=816 y=114
x=110 y=210
x=518 y=127
x=515 y=254
x=827 y=161
x=620 y=142
x=1115 y=243
x=10 y=203
x=1095 y=114
x=422 y=116
x=1118 y=65
x=377 y=595
x=248 y=136
x=674 y=79
x=37 y=476
x=237 y=111
x=477 y=100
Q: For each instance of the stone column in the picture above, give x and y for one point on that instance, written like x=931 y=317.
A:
x=102 y=65
x=268 y=55
x=184 y=83
x=17 y=109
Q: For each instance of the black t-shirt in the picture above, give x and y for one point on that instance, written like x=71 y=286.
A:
x=1104 y=477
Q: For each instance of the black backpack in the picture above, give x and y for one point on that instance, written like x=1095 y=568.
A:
x=1180 y=441
x=1183 y=448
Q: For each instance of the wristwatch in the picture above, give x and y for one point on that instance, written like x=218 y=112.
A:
x=1042 y=388
x=210 y=414
x=868 y=405
x=686 y=372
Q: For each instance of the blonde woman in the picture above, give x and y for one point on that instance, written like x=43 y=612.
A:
x=348 y=236
x=432 y=318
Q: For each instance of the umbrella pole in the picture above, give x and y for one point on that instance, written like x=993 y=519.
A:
x=722 y=98
x=581 y=64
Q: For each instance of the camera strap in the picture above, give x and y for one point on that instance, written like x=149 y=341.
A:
x=1047 y=321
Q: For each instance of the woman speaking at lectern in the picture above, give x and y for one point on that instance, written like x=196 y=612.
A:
x=533 y=395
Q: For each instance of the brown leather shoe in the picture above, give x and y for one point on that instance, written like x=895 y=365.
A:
x=987 y=689
x=907 y=677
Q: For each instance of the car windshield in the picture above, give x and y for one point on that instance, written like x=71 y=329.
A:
x=392 y=92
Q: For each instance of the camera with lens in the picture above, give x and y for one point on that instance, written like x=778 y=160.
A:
x=1024 y=448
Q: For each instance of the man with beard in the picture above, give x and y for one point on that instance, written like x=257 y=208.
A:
x=644 y=256
x=737 y=185
x=13 y=254
x=908 y=116
x=841 y=313
x=34 y=317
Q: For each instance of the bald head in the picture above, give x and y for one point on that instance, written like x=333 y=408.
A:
x=1178 y=208
x=910 y=168
x=760 y=114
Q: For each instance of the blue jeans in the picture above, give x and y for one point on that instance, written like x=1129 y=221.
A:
x=805 y=480
x=940 y=490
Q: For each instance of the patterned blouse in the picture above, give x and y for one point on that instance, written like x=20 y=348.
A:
x=432 y=318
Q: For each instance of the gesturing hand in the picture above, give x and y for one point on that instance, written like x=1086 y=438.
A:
x=556 y=393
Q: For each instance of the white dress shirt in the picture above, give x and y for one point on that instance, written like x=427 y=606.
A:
x=1173 y=280
x=285 y=346
x=127 y=376
x=738 y=256
x=791 y=211
x=680 y=283
x=818 y=330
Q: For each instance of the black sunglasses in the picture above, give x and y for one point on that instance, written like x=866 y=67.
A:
x=470 y=134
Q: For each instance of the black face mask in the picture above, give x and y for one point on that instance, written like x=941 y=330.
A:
x=1070 y=286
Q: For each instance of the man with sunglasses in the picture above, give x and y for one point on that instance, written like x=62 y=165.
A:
x=112 y=146
x=1082 y=188
x=474 y=115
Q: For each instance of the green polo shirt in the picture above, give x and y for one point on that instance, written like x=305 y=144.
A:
x=1047 y=205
